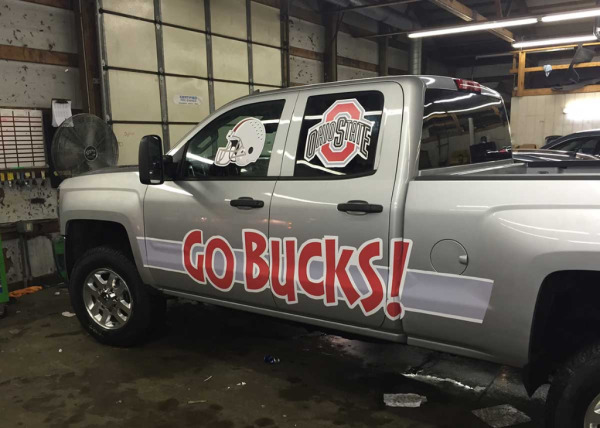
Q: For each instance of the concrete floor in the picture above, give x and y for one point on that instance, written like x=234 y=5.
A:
x=52 y=374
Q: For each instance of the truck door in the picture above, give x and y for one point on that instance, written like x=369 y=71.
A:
x=330 y=213
x=198 y=225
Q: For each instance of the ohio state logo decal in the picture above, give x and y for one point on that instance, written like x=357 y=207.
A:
x=342 y=134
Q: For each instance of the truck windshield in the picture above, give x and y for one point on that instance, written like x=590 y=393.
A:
x=461 y=128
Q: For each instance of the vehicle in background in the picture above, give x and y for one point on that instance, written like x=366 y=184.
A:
x=585 y=142
x=584 y=145
x=580 y=146
x=550 y=138
x=543 y=155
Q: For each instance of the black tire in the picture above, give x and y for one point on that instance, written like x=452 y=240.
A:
x=148 y=307
x=573 y=389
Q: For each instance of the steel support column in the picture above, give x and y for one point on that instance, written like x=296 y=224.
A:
x=284 y=16
x=162 y=84
x=249 y=36
x=330 y=58
x=209 y=57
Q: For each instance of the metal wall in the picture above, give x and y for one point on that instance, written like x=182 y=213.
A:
x=533 y=118
x=33 y=85
x=357 y=57
x=169 y=63
x=24 y=84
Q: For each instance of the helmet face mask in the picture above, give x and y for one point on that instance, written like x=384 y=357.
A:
x=244 y=143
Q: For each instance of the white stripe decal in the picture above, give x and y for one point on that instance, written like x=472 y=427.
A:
x=458 y=297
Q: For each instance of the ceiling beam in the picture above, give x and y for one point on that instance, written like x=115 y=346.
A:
x=371 y=5
x=499 y=13
x=465 y=13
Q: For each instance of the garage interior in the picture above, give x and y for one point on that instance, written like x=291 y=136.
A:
x=161 y=66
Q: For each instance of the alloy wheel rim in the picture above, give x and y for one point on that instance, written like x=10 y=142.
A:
x=592 y=415
x=107 y=299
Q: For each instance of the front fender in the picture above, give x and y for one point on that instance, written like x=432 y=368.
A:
x=113 y=197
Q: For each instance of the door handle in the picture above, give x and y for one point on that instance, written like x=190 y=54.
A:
x=360 y=207
x=246 y=202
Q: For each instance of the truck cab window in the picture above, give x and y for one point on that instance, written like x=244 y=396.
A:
x=236 y=144
x=339 y=134
x=462 y=128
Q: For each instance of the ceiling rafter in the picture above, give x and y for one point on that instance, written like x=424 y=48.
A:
x=465 y=13
x=371 y=5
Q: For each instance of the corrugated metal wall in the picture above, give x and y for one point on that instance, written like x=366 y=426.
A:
x=30 y=85
x=24 y=84
x=207 y=52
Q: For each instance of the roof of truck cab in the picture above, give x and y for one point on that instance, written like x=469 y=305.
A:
x=431 y=81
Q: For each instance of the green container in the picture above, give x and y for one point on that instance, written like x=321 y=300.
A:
x=3 y=283
x=59 y=256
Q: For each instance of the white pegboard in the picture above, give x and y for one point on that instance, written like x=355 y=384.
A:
x=21 y=139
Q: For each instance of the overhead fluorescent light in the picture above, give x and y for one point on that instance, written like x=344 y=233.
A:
x=488 y=25
x=581 y=14
x=556 y=41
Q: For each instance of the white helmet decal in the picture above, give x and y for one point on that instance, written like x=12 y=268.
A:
x=245 y=143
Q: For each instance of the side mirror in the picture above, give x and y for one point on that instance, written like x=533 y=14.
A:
x=150 y=160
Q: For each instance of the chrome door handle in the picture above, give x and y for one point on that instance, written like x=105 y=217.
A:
x=360 y=207
x=246 y=202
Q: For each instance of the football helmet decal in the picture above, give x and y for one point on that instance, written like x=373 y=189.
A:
x=245 y=143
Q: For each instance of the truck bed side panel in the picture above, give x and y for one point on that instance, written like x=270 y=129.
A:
x=515 y=233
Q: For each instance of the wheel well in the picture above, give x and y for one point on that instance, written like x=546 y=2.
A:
x=565 y=319
x=83 y=235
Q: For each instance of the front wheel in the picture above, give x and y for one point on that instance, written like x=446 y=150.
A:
x=574 y=396
x=110 y=300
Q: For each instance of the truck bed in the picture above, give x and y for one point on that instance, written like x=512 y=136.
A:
x=514 y=170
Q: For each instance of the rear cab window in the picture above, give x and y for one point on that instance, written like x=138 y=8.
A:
x=462 y=127
x=339 y=135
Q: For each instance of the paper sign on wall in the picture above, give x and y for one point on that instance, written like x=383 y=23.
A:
x=187 y=99
x=61 y=110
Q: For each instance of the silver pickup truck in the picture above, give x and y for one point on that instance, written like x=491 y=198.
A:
x=352 y=206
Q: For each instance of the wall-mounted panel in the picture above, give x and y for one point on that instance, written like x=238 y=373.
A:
x=307 y=35
x=177 y=132
x=266 y=26
x=129 y=136
x=225 y=92
x=134 y=96
x=357 y=48
x=187 y=99
x=230 y=59
x=37 y=26
x=141 y=8
x=185 y=52
x=130 y=43
x=266 y=65
x=34 y=85
x=228 y=17
x=187 y=13
x=350 y=73
x=306 y=71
